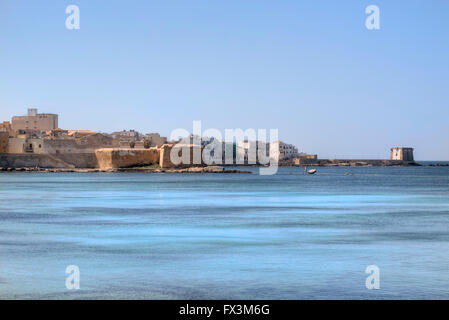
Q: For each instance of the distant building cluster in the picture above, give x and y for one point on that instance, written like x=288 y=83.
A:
x=39 y=133
x=249 y=152
x=126 y=138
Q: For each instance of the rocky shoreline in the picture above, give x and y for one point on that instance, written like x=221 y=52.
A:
x=209 y=169
x=361 y=163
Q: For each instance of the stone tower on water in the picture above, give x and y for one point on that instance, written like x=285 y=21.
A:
x=402 y=153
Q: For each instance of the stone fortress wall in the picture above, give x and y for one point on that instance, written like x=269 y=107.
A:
x=103 y=158
x=9 y=160
x=4 y=142
x=110 y=158
x=74 y=152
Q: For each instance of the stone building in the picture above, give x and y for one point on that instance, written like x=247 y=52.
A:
x=283 y=150
x=57 y=133
x=402 y=153
x=5 y=126
x=155 y=139
x=55 y=144
x=35 y=121
x=127 y=136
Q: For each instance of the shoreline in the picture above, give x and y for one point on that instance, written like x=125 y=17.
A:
x=211 y=169
x=203 y=169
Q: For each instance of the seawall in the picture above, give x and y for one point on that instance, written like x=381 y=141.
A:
x=11 y=160
x=360 y=163
x=110 y=158
x=113 y=158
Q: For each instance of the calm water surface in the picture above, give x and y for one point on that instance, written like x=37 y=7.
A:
x=226 y=236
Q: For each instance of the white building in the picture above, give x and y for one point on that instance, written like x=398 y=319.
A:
x=283 y=150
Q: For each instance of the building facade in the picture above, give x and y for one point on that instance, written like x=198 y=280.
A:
x=5 y=126
x=127 y=136
x=24 y=143
x=402 y=153
x=35 y=121
x=283 y=150
x=155 y=139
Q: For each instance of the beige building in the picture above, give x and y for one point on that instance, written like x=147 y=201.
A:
x=155 y=139
x=35 y=121
x=127 y=136
x=402 y=153
x=59 y=145
x=5 y=126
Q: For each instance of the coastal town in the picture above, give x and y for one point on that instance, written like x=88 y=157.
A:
x=35 y=141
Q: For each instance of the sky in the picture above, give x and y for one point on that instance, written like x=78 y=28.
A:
x=310 y=69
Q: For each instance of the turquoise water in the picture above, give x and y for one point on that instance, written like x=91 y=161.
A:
x=226 y=236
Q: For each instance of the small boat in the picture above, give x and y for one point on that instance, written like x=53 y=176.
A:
x=311 y=171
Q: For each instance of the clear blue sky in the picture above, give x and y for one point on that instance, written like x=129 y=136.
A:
x=309 y=68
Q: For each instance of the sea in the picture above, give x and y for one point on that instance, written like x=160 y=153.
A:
x=226 y=236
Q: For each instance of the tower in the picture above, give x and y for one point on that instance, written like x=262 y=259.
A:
x=402 y=153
